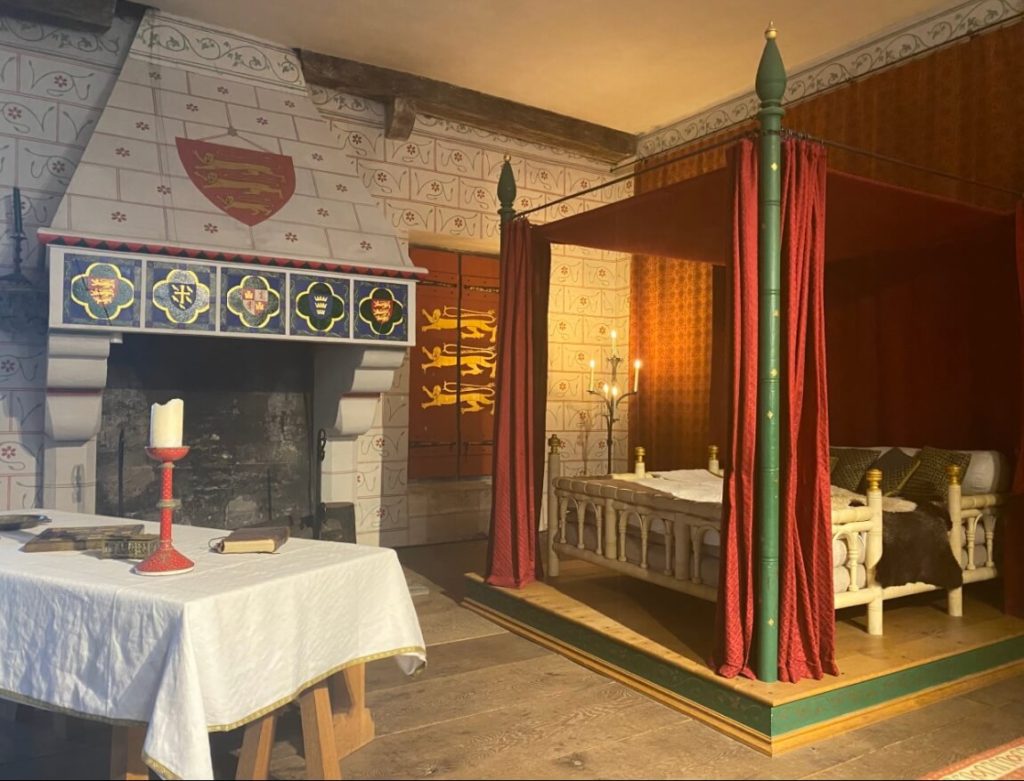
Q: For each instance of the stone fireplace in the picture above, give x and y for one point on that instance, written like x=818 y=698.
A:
x=215 y=244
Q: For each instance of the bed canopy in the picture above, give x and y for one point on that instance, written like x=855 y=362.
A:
x=763 y=216
x=685 y=220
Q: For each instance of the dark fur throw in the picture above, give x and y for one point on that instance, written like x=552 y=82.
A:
x=915 y=547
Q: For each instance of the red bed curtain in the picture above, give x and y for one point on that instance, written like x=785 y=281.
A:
x=512 y=560
x=734 y=635
x=806 y=613
x=806 y=601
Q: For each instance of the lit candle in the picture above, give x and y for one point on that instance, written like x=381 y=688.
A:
x=636 y=375
x=165 y=424
x=615 y=390
x=16 y=208
x=593 y=363
x=605 y=390
x=614 y=335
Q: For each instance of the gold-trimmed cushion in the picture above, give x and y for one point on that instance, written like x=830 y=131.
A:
x=853 y=463
x=897 y=468
x=930 y=481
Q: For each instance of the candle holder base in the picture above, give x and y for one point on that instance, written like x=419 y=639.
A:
x=165 y=560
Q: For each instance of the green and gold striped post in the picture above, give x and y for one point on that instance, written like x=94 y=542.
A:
x=770 y=85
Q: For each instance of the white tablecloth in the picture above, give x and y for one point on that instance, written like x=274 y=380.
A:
x=206 y=650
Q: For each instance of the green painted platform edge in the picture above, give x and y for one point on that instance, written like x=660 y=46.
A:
x=723 y=700
x=817 y=708
x=772 y=722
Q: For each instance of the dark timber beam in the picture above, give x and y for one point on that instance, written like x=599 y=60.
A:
x=447 y=101
x=95 y=15
x=399 y=118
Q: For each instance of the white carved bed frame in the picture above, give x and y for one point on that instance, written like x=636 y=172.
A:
x=612 y=505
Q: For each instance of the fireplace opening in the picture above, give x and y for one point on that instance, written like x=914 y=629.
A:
x=248 y=422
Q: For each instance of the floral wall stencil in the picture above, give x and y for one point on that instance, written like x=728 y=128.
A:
x=53 y=85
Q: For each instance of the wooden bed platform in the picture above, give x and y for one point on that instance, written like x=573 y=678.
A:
x=655 y=641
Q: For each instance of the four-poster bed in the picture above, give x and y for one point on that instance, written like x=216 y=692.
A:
x=666 y=529
x=763 y=216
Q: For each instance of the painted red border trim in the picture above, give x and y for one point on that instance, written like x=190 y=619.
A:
x=66 y=240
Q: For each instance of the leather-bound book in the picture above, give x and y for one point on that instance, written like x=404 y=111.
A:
x=78 y=537
x=253 y=539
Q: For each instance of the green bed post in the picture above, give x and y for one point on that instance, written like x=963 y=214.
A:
x=770 y=85
x=506 y=195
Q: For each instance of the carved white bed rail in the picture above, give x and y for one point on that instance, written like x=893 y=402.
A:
x=645 y=533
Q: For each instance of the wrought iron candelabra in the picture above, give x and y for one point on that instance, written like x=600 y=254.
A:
x=611 y=395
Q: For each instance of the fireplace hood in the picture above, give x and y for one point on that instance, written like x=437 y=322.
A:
x=213 y=200
x=230 y=206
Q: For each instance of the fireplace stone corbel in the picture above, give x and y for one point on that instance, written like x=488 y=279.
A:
x=347 y=388
x=76 y=374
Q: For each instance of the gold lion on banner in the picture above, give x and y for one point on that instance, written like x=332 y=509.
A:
x=472 y=361
x=474 y=398
x=475 y=323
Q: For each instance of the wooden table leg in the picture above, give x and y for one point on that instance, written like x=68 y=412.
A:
x=257 y=743
x=353 y=722
x=318 y=733
x=126 y=754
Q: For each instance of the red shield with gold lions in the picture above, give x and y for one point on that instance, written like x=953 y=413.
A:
x=248 y=184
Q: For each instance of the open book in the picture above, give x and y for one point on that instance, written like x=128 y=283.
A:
x=253 y=539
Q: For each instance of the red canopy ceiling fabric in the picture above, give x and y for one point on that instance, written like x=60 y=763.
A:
x=689 y=220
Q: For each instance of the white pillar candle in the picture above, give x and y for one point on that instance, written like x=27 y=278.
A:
x=165 y=424
x=636 y=375
x=614 y=335
x=593 y=364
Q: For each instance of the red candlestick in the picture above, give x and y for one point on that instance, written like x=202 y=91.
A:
x=165 y=560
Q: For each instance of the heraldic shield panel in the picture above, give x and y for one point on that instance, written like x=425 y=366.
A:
x=381 y=311
x=253 y=302
x=101 y=291
x=181 y=297
x=319 y=306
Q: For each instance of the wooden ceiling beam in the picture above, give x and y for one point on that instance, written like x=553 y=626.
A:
x=437 y=98
x=95 y=15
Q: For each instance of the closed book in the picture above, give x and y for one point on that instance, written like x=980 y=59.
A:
x=78 y=537
x=253 y=539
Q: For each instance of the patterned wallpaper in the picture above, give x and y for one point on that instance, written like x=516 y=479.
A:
x=438 y=188
x=53 y=86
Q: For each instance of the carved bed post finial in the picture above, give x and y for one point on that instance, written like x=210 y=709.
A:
x=638 y=464
x=506 y=191
x=554 y=443
x=953 y=473
x=874 y=479
x=506 y=199
x=713 y=466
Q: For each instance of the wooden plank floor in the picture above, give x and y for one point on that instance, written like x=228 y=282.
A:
x=492 y=705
